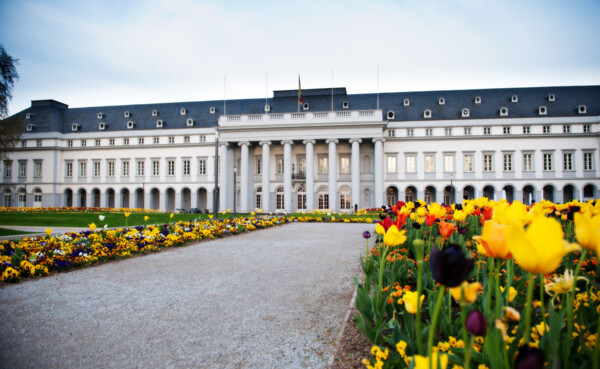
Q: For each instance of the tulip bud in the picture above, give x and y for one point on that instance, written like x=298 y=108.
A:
x=450 y=266
x=529 y=358
x=366 y=234
x=476 y=323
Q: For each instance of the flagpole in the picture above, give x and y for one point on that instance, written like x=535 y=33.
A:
x=266 y=89
x=377 y=88
x=224 y=97
x=331 y=89
x=299 y=92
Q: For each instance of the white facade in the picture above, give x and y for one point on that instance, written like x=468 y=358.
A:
x=307 y=160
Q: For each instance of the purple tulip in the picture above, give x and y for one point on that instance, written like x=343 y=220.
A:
x=529 y=358
x=476 y=323
x=366 y=234
x=450 y=266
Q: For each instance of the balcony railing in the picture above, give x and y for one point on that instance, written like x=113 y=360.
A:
x=293 y=117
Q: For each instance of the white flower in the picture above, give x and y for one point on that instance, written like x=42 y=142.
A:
x=101 y=217
x=105 y=227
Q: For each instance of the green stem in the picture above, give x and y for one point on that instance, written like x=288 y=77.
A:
x=509 y=278
x=434 y=321
x=463 y=315
x=488 y=292
x=597 y=346
x=497 y=280
x=419 y=291
x=468 y=352
x=380 y=280
x=570 y=298
x=530 y=284
x=542 y=301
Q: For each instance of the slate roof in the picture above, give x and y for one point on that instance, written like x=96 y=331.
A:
x=53 y=116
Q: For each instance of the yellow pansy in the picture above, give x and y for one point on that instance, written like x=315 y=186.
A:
x=541 y=247
x=410 y=301
x=393 y=237
x=587 y=230
x=511 y=314
x=470 y=294
x=512 y=293
x=422 y=362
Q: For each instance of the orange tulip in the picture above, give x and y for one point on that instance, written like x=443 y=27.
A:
x=493 y=240
x=446 y=229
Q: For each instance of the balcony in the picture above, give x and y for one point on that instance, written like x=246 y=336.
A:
x=300 y=117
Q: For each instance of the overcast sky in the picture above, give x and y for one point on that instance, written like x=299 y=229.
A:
x=115 y=52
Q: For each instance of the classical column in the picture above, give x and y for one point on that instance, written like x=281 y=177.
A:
x=223 y=177
x=355 y=169
x=378 y=171
x=287 y=175
x=244 y=178
x=310 y=174
x=332 y=174
x=266 y=175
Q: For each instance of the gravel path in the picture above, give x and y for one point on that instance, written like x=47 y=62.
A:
x=274 y=298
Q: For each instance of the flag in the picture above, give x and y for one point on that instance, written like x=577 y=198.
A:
x=299 y=91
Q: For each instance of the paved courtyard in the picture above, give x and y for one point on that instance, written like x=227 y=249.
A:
x=273 y=298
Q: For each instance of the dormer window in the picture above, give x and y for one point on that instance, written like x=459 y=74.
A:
x=390 y=114
x=127 y=114
x=406 y=102
x=182 y=111
x=477 y=99
x=504 y=111
x=582 y=109
x=542 y=110
x=465 y=113
x=551 y=98
x=189 y=122
x=305 y=106
x=100 y=115
x=155 y=113
x=102 y=126
x=213 y=110
x=28 y=115
x=441 y=101
x=267 y=108
x=75 y=127
x=130 y=125
x=345 y=105
x=160 y=124
x=30 y=127
x=514 y=99
x=427 y=114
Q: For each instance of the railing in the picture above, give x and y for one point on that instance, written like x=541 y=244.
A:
x=319 y=116
x=298 y=115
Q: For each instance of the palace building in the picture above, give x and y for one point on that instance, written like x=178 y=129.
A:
x=334 y=150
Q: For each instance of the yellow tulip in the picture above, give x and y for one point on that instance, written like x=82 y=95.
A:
x=516 y=213
x=459 y=216
x=512 y=293
x=421 y=211
x=252 y=214
x=48 y=231
x=393 y=237
x=92 y=227
x=171 y=215
x=127 y=215
x=493 y=241
x=422 y=362
x=146 y=218
x=379 y=229
x=470 y=294
x=587 y=230
x=410 y=301
x=541 y=247
x=210 y=216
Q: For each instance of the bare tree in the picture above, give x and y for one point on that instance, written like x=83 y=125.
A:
x=10 y=128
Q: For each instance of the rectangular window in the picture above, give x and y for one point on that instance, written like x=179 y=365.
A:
x=487 y=130
x=70 y=143
x=37 y=197
x=548 y=162
x=411 y=164
x=587 y=128
x=391 y=164
x=111 y=142
x=428 y=131
x=567 y=161
x=258 y=167
x=83 y=143
x=566 y=128
x=344 y=164
x=37 y=169
x=410 y=132
x=96 y=169
x=38 y=143
x=448 y=131
x=140 y=168
x=507 y=162
x=301 y=201
x=506 y=130
x=468 y=167
x=23 y=143
x=155 y=168
x=391 y=133
x=171 y=139
x=7 y=169
x=202 y=138
x=279 y=162
x=527 y=162
x=202 y=167
x=526 y=130
x=323 y=165
x=488 y=162
x=186 y=139
x=156 y=140
x=97 y=142
x=140 y=140
x=258 y=200
x=429 y=163
x=68 y=169
x=125 y=169
x=82 y=169
x=170 y=167
x=467 y=131
x=22 y=169
x=588 y=163
x=546 y=129
x=448 y=163
x=110 y=169
x=186 y=167
x=125 y=141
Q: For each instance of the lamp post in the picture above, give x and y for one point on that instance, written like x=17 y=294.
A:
x=234 y=189
x=216 y=190
x=452 y=190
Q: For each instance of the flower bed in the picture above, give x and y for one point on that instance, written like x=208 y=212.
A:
x=483 y=285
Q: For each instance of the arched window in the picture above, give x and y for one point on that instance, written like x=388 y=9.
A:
x=345 y=200
x=280 y=198
x=323 y=198
x=301 y=197
x=37 y=197
x=259 y=198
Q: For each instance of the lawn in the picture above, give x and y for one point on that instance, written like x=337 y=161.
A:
x=11 y=232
